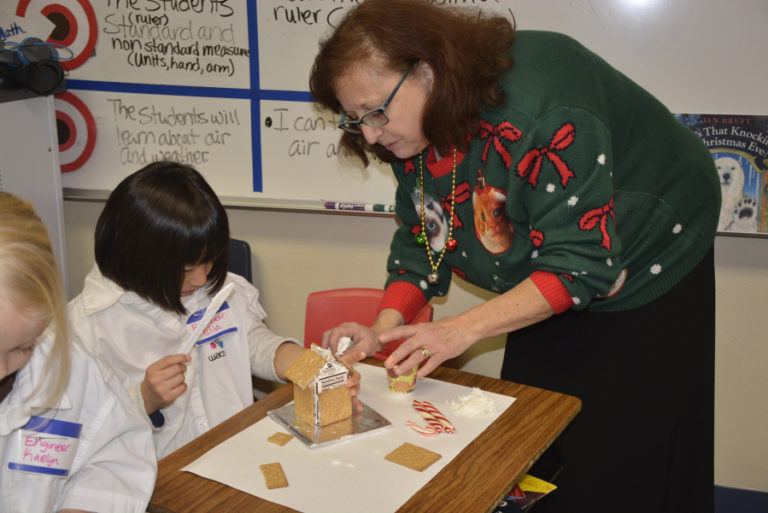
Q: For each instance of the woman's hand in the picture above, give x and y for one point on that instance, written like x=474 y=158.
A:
x=353 y=382
x=365 y=339
x=164 y=382
x=448 y=337
x=431 y=343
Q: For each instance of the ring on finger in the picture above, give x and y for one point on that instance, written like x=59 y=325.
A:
x=425 y=353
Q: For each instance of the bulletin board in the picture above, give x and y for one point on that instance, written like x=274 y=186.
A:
x=222 y=84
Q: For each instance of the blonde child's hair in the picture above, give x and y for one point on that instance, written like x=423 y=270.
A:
x=31 y=283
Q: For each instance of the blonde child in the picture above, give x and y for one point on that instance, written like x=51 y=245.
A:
x=162 y=250
x=70 y=439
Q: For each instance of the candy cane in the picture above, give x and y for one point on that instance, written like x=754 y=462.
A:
x=427 y=410
x=432 y=421
x=434 y=426
x=426 y=431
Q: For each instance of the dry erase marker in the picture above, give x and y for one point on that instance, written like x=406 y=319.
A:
x=380 y=207
x=359 y=207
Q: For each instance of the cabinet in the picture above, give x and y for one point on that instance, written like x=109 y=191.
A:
x=29 y=162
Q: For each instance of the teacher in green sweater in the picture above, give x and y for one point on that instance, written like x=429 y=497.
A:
x=529 y=166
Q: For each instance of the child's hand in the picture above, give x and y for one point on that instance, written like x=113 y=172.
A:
x=353 y=382
x=164 y=382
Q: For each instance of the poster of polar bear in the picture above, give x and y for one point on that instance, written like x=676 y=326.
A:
x=741 y=187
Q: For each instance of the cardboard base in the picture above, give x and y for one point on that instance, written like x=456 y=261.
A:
x=360 y=423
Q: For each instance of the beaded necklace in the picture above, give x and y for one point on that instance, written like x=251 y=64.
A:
x=421 y=238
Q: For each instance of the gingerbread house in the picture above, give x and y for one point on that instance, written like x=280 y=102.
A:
x=319 y=394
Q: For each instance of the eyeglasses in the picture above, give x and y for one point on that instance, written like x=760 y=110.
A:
x=375 y=118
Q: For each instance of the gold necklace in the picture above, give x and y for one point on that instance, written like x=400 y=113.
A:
x=450 y=243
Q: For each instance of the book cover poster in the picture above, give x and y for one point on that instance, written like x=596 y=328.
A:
x=739 y=146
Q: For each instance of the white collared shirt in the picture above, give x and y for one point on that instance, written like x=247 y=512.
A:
x=92 y=452
x=129 y=333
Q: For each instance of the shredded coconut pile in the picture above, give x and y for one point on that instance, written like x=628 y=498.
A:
x=475 y=404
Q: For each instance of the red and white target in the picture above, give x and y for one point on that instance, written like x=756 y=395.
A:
x=76 y=129
x=75 y=26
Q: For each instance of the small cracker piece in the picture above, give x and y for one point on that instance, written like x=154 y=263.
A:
x=273 y=475
x=413 y=456
x=280 y=438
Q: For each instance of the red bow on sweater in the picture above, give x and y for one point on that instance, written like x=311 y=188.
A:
x=462 y=194
x=530 y=165
x=537 y=238
x=495 y=134
x=599 y=216
x=410 y=167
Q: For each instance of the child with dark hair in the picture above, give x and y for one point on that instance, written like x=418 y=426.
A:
x=70 y=439
x=162 y=252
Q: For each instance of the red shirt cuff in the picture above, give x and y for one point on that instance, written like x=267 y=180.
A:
x=553 y=290
x=404 y=297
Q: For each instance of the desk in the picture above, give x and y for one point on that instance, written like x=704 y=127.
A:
x=510 y=445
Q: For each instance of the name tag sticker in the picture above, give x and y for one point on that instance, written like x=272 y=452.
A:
x=46 y=446
x=221 y=324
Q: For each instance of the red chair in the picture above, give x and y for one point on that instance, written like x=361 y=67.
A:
x=327 y=309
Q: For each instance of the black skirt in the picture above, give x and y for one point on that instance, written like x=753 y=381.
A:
x=644 y=439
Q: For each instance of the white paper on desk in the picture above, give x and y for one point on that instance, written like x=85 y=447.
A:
x=351 y=476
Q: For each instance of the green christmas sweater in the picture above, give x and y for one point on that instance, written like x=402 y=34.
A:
x=581 y=180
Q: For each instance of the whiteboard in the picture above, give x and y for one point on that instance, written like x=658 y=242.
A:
x=222 y=84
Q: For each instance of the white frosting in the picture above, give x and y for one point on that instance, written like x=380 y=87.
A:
x=325 y=353
x=475 y=404
x=344 y=343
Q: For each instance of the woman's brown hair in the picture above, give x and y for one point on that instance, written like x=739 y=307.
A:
x=466 y=48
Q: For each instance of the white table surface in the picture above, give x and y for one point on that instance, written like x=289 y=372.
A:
x=350 y=476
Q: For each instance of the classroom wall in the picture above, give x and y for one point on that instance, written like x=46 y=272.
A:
x=295 y=253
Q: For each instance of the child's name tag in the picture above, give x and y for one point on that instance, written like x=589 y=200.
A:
x=221 y=324
x=46 y=446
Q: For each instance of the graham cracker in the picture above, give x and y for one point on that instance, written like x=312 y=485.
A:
x=413 y=456
x=334 y=405
x=303 y=403
x=303 y=370
x=323 y=409
x=273 y=475
x=280 y=438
